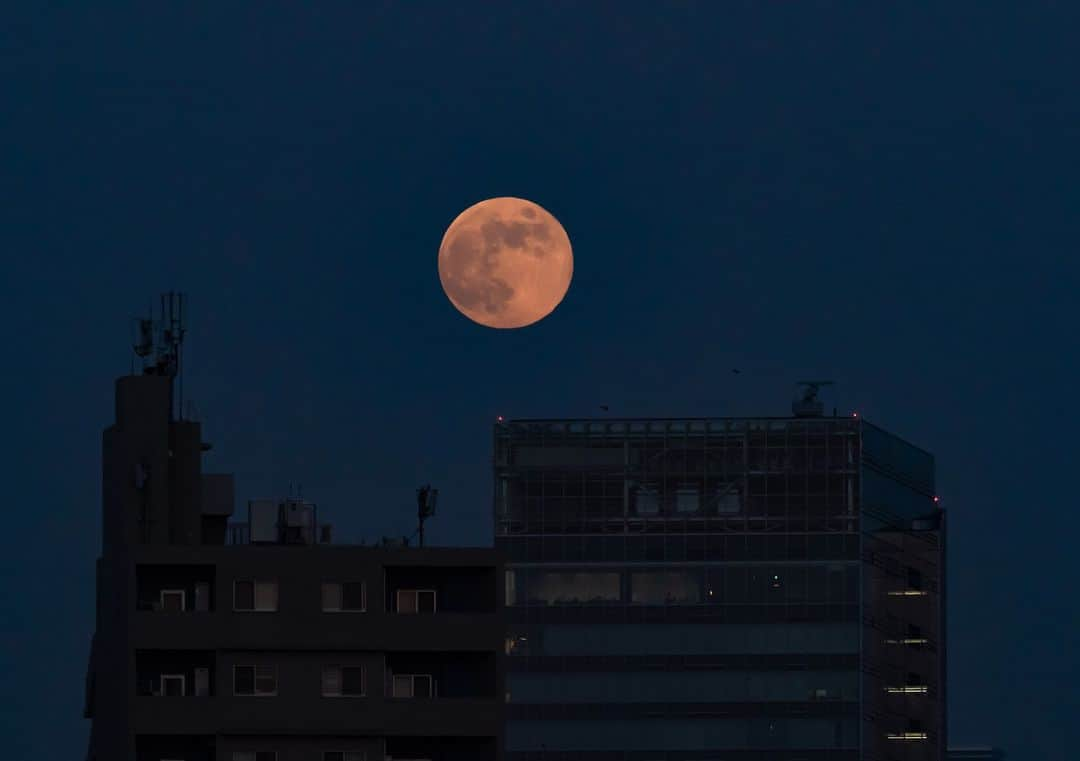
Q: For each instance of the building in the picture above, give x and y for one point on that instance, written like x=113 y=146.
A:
x=683 y=589
x=262 y=641
x=975 y=754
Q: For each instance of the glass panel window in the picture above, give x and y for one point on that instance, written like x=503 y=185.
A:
x=244 y=680
x=331 y=681
x=265 y=680
x=352 y=680
x=172 y=599
x=255 y=596
x=416 y=601
x=202 y=682
x=331 y=597
x=353 y=596
x=254 y=680
x=413 y=686
x=343 y=681
x=665 y=587
x=172 y=685
x=561 y=588
x=266 y=595
x=350 y=596
x=244 y=595
x=687 y=499
x=344 y=755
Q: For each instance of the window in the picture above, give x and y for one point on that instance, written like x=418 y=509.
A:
x=202 y=596
x=343 y=681
x=413 y=686
x=687 y=499
x=254 y=680
x=665 y=587
x=344 y=755
x=572 y=587
x=172 y=685
x=344 y=597
x=202 y=682
x=416 y=601
x=261 y=596
x=173 y=599
x=254 y=755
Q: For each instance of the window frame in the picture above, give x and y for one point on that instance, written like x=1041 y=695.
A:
x=195 y=687
x=182 y=678
x=183 y=598
x=345 y=754
x=255 y=680
x=416 y=593
x=340 y=667
x=341 y=597
x=412 y=686
x=255 y=595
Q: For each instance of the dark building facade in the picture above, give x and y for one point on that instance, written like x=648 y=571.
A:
x=720 y=589
x=262 y=641
x=974 y=754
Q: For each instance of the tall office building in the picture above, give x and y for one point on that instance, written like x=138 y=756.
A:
x=720 y=589
x=262 y=641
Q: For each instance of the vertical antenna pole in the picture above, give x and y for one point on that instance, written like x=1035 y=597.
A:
x=179 y=353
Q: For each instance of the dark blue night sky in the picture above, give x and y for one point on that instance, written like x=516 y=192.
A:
x=885 y=198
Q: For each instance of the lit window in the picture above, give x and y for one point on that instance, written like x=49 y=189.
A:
x=573 y=587
x=413 y=686
x=260 y=596
x=343 y=681
x=344 y=597
x=416 y=601
x=255 y=680
x=661 y=587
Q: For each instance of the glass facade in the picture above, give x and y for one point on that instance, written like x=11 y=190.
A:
x=685 y=587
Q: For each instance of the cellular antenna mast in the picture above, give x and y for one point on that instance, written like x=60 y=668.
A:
x=159 y=346
x=426 y=497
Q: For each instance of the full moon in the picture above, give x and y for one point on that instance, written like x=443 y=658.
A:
x=505 y=263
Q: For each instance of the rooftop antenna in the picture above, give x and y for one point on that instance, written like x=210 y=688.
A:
x=426 y=497
x=143 y=339
x=159 y=345
x=807 y=404
x=173 y=328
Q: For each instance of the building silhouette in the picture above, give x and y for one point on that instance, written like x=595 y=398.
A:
x=260 y=640
x=768 y=588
